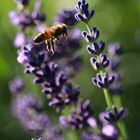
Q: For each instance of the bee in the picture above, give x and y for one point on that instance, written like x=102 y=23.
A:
x=51 y=34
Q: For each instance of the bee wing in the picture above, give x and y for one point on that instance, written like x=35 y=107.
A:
x=40 y=27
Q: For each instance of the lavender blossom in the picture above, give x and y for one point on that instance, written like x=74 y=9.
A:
x=83 y=14
x=52 y=133
x=79 y=117
x=19 y=40
x=103 y=81
x=16 y=86
x=52 y=72
x=29 y=111
x=115 y=50
x=51 y=76
x=26 y=19
x=107 y=132
x=96 y=48
x=115 y=115
x=91 y=37
x=98 y=65
x=100 y=62
x=67 y=17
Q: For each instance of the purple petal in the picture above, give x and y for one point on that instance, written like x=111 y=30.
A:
x=19 y=40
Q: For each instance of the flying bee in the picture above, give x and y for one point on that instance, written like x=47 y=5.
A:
x=50 y=35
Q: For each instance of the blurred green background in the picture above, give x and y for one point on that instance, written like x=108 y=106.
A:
x=118 y=21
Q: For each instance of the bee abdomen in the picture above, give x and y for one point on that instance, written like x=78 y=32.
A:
x=39 y=38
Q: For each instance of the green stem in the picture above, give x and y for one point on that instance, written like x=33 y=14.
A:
x=108 y=98
x=88 y=28
x=122 y=129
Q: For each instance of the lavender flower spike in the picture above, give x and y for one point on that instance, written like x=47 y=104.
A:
x=28 y=110
x=81 y=117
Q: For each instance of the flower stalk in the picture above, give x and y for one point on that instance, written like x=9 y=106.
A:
x=99 y=62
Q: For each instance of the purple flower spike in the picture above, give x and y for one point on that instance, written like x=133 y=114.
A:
x=24 y=19
x=115 y=115
x=83 y=14
x=28 y=110
x=68 y=95
x=103 y=81
x=67 y=17
x=81 y=117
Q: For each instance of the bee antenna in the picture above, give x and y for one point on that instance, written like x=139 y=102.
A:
x=71 y=26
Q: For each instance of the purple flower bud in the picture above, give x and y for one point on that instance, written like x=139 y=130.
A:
x=92 y=122
x=80 y=17
x=83 y=14
x=19 y=40
x=91 y=14
x=115 y=115
x=16 y=86
x=99 y=63
x=114 y=49
x=86 y=36
x=37 y=16
x=14 y=17
x=63 y=120
x=96 y=48
x=80 y=117
x=110 y=131
x=95 y=32
x=103 y=81
x=22 y=57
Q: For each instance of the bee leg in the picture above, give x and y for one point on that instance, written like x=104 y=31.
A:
x=57 y=40
x=48 y=45
x=65 y=32
x=52 y=46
